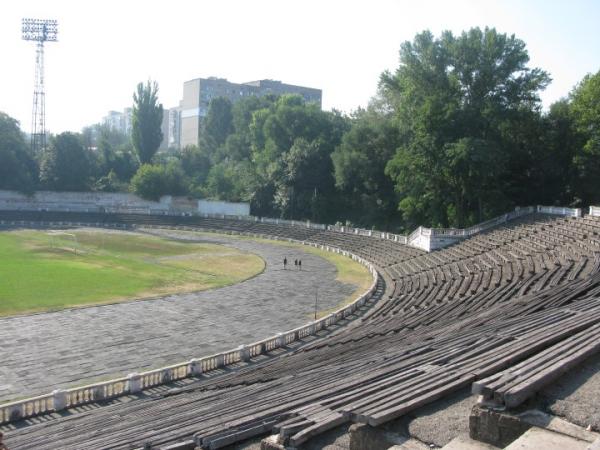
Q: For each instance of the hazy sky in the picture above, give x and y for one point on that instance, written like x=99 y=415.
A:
x=106 y=47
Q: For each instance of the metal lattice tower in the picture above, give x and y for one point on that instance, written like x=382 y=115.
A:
x=39 y=31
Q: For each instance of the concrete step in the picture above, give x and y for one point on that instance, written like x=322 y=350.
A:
x=466 y=443
x=537 y=438
x=410 y=444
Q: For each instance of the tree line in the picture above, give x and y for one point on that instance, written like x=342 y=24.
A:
x=455 y=135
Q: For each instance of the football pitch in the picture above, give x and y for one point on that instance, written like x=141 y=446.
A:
x=48 y=270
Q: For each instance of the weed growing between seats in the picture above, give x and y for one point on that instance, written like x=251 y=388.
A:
x=40 y=271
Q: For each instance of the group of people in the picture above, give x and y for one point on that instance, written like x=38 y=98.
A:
x=297 y=263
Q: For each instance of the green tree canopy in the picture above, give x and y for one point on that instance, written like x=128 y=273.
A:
x=456 y=100
x=290 y=141
x=585 y=111
x=66 y=164
x=360 y=162
x=218 y=123
x=146 y=121
x=18 y=169
x=152 y=181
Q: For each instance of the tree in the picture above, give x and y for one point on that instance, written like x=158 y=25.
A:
x=115 y=153
x=218 y=123
x=196 y=164
x=110 y=183
x=291 y=124
x=360 y=162
x=146 y=121
x=66 y=164
x=585 y=112
x=305 y=183
x=153 y=181
x=460 y=102
x=18 y=170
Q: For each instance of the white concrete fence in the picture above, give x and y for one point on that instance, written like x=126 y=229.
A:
x=559 y=211
x=429 y=239
x=100 y=202
x=117 y=202
x=595 y=211
x=134 y=383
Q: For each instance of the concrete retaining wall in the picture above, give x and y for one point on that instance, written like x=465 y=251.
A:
x=227 y=208
x=116 y=202
x=81 y=201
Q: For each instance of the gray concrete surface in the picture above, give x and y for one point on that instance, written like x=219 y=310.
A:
x=464 y=442
x=43 y=352
x=538 y=438
x=432 y=426
x=439 y=422
x=574 y=396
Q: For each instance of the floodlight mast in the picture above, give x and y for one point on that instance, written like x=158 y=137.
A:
x=39 y=31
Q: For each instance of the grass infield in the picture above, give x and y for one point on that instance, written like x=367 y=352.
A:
x=44 y=270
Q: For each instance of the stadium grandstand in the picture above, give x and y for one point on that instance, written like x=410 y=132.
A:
x=494 y=321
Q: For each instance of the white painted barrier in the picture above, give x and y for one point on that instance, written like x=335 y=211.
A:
x=559 y=211
x=595 y=211
x=116 y=202
x=227 y=208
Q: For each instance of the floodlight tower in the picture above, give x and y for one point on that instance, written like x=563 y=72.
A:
x=39 y=31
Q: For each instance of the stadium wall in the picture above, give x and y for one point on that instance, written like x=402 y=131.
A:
x=227 y=208
x=427 y=239
x=116 y=202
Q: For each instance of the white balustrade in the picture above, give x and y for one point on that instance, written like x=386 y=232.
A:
x=559 y=210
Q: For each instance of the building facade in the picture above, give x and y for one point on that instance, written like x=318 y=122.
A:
x=119 y=121
x=198 y=93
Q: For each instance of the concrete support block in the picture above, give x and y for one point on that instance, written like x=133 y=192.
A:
x=59 y=399
x=494 y=427
x=280 y=340
x=99 y=393
x=195 y=367
x=366 y=437
x=244 y=353
x=220 y=361
x=135 y=383
x=167 y=375
x=15 y=413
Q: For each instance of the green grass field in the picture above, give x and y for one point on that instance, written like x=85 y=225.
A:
x=40 y=271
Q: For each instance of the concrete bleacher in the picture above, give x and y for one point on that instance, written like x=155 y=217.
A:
x=503 y=312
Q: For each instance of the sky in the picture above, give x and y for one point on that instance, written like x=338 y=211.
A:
x=106 y=47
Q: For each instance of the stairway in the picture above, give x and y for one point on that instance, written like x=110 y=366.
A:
x=464 y=442
x=537 y=438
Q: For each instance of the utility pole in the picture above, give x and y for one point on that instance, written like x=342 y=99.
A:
x=39 y=31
